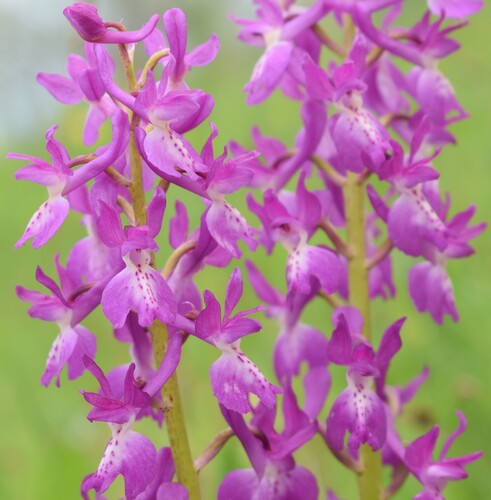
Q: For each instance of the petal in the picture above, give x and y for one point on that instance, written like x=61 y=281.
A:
x=97 y=115
x=233 y=293
x=44 y=307
x=63 y=89
x=360 y=140
x=58 y=356
x=419 y=452
x=268 y=72
x=227 y=226
x=170 y=153
x=45 y=222
x=127 y=453
x=295 y=483
x=239 y=485
x=233 y=376
x=432 y=291
x=209 y=320
x=341 y=344
x=310 y=264
x=390 y=344
x=203 y=54
x=296 y=345
x=262 y=288
x=109 y=226
x=85 y=346
x=156 y=209
x=140 y=288
x=361 y=413
x=413 y=224
x=175 y=29
x=69 y=348
x=178 y=225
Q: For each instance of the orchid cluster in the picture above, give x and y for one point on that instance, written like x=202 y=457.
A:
x=369 y=130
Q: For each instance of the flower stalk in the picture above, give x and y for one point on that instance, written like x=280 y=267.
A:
x=174 y=417
x=370 y=476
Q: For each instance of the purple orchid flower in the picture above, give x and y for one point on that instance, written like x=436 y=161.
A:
x=271 y=151
x=358 y=410
x=361 y=141
x=275 y=475
x=206 y=252
x=52 y=213
x=309 y=267
x=434 y=475
x=276 y=29
x=74 y=341
x=138 y=286
x=83 y=83
x=107 y=408
x=430 y=286
x=90 y=260
x=86 y=21
x=296 y=343
x=171 y=112
x=162 y=487
x=226 y=175
x=233 y=376
x=128 y=453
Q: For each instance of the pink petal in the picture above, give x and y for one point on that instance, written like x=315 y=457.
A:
x=140 y=288
x=45 y=222
x=227 y=226
x=233 y=376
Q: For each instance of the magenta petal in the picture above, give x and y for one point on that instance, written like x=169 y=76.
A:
x=209 y=321
x=179 y=225
x=238 y=485
x=45 y=222
x=268 y=72
x=142 y=289
x=340 y=345
x=432 y=291
x=69 y=347
x=227 y=226
x=308 y=264
x=109 y=226
x=295 y=483
x=360 y=140
x=63 y=89
x=86 y=21
x=175 y=29
x=172 y=491
x=170 y=152
x=261 y=286
x=205 y=53
x=233 y=376
x=296 y=345
x=129 y=454
x=413 y=224
x=97 y=115
x=360 y=412
x=233 y=293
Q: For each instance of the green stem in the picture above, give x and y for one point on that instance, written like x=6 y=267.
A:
x=370 y=477
x=174 y=417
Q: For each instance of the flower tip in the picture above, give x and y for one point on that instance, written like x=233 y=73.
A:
x=86 y=21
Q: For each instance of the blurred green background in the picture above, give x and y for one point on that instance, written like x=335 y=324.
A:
x=46 y=444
